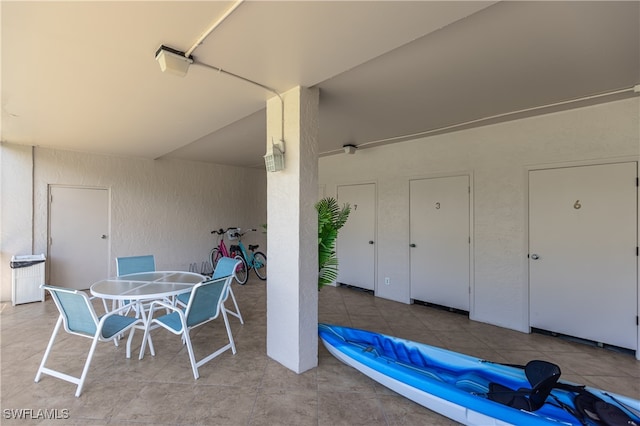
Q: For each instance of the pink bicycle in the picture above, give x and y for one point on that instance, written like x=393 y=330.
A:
x=242 y=273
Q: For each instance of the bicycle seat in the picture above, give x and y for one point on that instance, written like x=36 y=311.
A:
x=252 y=247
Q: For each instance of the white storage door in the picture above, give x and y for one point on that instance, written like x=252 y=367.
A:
x=582 y=249
x=79 y=230
x=356 y=240
x=439 y=248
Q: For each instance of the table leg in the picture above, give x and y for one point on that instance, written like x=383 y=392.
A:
x=147 y=336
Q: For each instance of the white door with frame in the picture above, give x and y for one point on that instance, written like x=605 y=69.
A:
x=78 y=236
x=356 y=240
x=440 y=241
x=582 y=252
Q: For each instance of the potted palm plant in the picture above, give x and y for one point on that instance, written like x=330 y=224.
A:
x=330 y=219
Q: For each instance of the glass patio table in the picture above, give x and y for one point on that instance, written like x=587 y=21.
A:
x=143 y=287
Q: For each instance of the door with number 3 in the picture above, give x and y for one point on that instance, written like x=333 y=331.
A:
x=439 y=248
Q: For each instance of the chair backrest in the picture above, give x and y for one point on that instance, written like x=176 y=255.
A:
x=206 y=300
x=542 y=376
x=133 y=264
x=76 y=310
x=226 y=266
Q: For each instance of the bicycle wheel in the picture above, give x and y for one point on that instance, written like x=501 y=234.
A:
x=260 y=265
x=242 y=273
x=214 y=256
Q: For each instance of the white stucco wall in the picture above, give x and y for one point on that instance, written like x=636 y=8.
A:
x=163 y=207
x=169 y=207
x=16 y=210
x=497 y=158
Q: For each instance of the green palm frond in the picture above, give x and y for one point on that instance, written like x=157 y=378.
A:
x=330 y=219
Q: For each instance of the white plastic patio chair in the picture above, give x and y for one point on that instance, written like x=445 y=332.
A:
x=205 y=304
x=225 y=267
x=80 y=319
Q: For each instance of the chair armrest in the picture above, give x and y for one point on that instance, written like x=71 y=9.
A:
x=166 y=305
x=163 y=304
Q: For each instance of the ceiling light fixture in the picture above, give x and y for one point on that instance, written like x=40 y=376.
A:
x=177 y=62
x=349 y=148
x=173 y=61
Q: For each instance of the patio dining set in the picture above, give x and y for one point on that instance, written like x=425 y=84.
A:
x=141 y=298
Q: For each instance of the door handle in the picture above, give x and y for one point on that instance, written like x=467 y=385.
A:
x=535 y=256
x=412 y=245
x=370 y=241
x=104 y=237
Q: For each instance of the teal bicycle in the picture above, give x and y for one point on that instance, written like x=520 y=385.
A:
x=253 y=259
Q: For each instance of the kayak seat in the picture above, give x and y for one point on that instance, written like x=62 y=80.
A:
x=542 y=377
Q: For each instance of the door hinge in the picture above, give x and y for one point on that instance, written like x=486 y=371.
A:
x=637 y=181
x=637 y=251
x=637 y=322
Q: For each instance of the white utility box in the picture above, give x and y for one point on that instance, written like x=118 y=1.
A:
x=27 y=275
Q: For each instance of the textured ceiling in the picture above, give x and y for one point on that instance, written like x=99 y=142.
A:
x=82 y=76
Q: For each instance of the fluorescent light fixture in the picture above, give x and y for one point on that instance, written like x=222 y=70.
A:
x=173 y=61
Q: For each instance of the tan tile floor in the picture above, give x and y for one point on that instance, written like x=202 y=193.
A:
x=251 y=389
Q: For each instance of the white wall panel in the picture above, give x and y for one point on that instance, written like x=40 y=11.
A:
x=16 y=210
x=497 y=156
x=161 y=207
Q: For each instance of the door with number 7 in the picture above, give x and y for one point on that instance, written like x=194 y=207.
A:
x=356 y=240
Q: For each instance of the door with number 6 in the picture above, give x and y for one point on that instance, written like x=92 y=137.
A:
x=583 y=252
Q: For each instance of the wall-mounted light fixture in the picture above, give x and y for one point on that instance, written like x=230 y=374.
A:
x=349 y=148
x=274 y=158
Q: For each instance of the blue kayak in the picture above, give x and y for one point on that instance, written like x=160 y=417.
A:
x=473 y=391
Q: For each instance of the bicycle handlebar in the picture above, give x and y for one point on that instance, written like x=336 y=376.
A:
x=241 y=234
x=222 y=231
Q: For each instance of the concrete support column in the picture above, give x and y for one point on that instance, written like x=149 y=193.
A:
x=292 y=232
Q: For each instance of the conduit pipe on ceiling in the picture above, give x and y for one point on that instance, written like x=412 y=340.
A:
x=452 y=127
x=206 y=34
x=220 y=70
x=212 y=27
